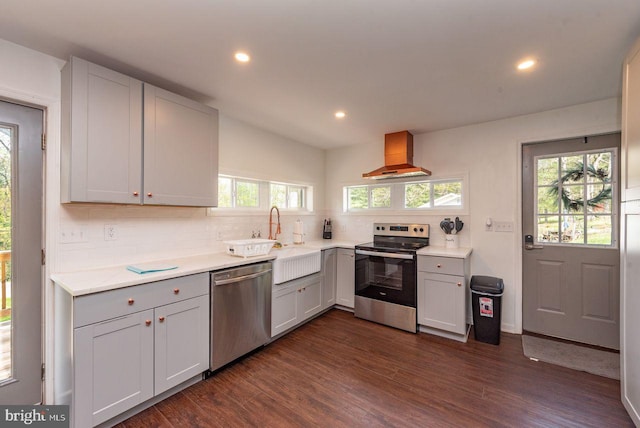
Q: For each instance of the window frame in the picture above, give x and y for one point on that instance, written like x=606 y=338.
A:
x=264 y=196
x=614 y=214
x=398 y=196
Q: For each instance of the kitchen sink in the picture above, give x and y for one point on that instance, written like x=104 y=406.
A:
x=295 y=262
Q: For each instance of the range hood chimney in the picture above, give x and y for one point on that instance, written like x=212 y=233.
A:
x=398 y=158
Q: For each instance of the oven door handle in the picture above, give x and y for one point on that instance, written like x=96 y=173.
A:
x=388 y=255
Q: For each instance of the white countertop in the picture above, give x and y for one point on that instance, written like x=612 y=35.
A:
x=458 y=253
x=110 y=278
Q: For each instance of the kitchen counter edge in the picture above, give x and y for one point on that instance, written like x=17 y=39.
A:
x=91 y=281
x=457 y=253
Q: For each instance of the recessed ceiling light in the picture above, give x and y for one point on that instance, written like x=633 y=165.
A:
x=526 y=64
x=341 y=114
x=242 y=57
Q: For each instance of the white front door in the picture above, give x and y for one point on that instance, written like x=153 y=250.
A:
x=571 y=275
x=21 y=212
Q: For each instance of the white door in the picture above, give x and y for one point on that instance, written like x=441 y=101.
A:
x=571 y=281
x=21 y=195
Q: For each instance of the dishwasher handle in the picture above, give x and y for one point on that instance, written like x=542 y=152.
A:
x=240 y=278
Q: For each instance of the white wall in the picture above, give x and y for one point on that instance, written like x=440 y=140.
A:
x=490 y=153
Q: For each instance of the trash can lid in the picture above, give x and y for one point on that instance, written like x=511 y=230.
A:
x=487 y=284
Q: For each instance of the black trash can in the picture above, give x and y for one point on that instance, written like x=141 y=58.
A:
x=486 y=300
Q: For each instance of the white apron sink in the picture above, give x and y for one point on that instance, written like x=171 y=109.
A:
x=295 y=262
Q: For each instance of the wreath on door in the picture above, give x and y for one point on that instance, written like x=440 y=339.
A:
x=576 y=174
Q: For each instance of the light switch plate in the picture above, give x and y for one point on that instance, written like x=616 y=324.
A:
x=503 y=226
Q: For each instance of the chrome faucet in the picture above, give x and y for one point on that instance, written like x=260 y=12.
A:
x=275 y=236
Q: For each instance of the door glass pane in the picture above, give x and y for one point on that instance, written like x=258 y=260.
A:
x=572 y=169
x=547 y=171
x=6 y=327
x=548 y=200
x=573 y=199
x=599 y=198
x=572 y=229
x=566 y=186
x=548 y=226
x=599 y=230
x=599 y=167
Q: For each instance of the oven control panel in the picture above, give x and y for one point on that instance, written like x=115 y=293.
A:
x=401 y=229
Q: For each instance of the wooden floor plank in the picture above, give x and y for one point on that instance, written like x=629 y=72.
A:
x=341 y=371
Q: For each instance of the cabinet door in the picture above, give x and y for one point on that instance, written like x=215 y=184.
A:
x=284 y=309
x=113 y=367
x=182 y=341
x=180 y=150
x=442 y=302
x=329 y=277
x=630 y=161
x=345 y=279
x=310 y=296
x=101 y=148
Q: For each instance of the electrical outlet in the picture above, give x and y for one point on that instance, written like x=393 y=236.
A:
x=343 y=228
x=219 y=236
x=110 y=232
x=503 y=226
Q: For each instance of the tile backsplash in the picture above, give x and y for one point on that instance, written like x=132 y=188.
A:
x=144 y=233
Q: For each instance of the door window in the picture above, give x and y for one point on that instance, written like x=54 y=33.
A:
x=575 y=198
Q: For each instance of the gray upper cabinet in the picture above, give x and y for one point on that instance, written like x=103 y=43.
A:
x=110 y=120
x=101 y=147
x=180 y=150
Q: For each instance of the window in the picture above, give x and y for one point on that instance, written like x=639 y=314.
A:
x=574 y=198
x=236 y=192
x=434 y=194
x=287 y=195
x=243 y=193
x=365 y=197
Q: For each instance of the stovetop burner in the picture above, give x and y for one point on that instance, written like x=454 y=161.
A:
x=392 y=237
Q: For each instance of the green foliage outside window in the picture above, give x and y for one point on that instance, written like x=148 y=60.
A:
x=417 y=195
x=5 y=189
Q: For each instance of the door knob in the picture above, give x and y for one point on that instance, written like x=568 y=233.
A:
x=161 y=319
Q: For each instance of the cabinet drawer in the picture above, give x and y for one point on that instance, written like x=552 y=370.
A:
x=443 y=265
x=98 y=307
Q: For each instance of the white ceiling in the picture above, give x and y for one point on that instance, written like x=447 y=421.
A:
x=420 y=65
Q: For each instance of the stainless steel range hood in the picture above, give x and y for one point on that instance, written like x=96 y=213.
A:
x=398 y=158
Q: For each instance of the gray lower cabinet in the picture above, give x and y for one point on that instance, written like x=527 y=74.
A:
x=294 y=302
x=329 y=275
x=443 y=296
x=345 y=279
x=131 y=344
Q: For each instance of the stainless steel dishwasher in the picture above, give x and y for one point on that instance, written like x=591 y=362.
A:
x=240 y=311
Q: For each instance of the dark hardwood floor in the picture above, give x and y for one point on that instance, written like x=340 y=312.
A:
x=340 y=371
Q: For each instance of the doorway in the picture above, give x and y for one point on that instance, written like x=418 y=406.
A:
x=21 y=243
x=570 y=262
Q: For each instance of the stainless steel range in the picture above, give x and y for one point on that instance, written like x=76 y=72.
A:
x=386 y=277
